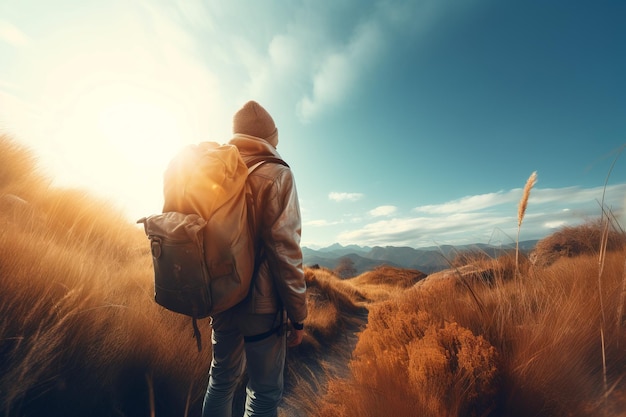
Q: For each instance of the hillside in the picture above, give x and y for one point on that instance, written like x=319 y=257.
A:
x=331 y=261
x=428 y=260
x=496 y=336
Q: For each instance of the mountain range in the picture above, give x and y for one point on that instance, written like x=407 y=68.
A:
x=427 y=259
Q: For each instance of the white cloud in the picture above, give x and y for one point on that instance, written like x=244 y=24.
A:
x=573 y=194
x=555 y=224
x=470 y=203
x=485 y=219
x=339 y=70
x=320 y=223
x=311 y=57
x=343 y=64
x=285 y=53
x=197 y=14
x=482 y=202
x=335 y=196
x=12 y=35
x=383 y=211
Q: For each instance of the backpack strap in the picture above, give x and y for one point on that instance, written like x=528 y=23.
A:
x=196 y=332
x=281 y=318
x=263 y=336
x=254 y=163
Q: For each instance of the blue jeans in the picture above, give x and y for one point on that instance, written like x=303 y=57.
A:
x=264 y=360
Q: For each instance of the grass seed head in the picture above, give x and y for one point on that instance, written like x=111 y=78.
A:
x=521 y=211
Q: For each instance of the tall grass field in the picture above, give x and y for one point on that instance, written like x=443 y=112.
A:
x=516 y=335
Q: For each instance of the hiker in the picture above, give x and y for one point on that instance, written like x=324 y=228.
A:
x=252 y=336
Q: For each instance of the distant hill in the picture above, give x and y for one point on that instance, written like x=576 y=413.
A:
x=427 y=260
x=337 y=249
x=331 y=260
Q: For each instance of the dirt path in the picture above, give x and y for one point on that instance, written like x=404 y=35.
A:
x=311 y=365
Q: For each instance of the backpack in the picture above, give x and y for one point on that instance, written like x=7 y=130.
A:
x=203 y=243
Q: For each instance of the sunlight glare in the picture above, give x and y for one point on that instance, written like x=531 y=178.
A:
x=139 y=131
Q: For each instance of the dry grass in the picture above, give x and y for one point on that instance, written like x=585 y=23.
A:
x=78 y=328
x=336 y=315
x=80 y=333
x=506 y=348
x=574 y=241
x=385 y=282
x=409 y=361
x=521 y=210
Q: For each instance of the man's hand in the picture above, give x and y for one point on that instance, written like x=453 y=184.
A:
x=294 y=336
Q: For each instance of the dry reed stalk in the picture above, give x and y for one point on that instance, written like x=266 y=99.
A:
x=521 y=211
x=620 y=308
x=601 y=268
x=151 y=395
x=188 y=402
x=604 y=379
x=604 y=240
x=601 y=260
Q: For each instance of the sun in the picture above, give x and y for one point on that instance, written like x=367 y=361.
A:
x=139 y=131
x=116 y=138
x=141 y=127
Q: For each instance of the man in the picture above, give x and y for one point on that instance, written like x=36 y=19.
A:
x=251 y=335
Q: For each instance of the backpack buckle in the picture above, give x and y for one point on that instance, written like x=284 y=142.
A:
x=155 y=247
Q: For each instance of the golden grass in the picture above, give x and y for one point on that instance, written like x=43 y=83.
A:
x=410 y=362
x=385 y=282
x=80 y=333
x=532 y=347
x=521 y=209
x=523 y=204
x=589 y=238
x=336 y=315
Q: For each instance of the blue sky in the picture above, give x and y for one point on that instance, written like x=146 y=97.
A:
x=406 y=123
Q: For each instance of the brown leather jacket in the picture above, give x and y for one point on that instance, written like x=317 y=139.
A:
x=277 y=220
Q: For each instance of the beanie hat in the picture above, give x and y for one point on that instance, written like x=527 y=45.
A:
x=252 y=119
